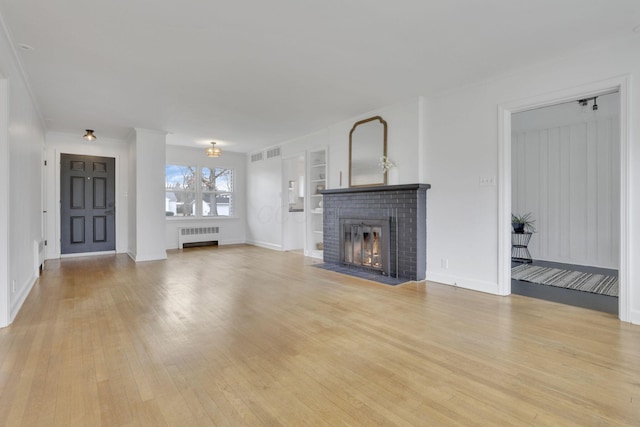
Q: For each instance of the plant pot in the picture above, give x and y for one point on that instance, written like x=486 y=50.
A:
x=517 y=227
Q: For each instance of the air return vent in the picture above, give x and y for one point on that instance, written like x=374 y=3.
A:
x=197 y=236
x=256 y=157
x=273 y=152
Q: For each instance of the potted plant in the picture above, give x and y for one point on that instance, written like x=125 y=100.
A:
x=522 y=223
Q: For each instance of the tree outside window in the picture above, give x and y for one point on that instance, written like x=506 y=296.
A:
x=180 y=190
x=217 y=189
x=213 y=197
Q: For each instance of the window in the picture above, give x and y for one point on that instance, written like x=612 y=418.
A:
x=213 y=197
x=217 y=187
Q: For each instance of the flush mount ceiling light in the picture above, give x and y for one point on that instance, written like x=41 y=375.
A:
x=25 y=47
x=213 y=151
x=89 y=136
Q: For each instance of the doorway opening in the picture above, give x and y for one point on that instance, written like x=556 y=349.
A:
x=507 y=113
x=564 y=171
x=293 y=218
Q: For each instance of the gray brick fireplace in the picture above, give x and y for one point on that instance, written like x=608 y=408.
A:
x=399 y=211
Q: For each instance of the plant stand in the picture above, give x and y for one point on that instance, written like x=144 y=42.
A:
x=519 y=247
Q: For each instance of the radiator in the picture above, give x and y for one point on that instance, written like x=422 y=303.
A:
x=197 y=235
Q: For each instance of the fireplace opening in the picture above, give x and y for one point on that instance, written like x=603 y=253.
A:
x=364 y=243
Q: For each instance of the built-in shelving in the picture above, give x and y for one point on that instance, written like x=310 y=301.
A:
x=318 y=172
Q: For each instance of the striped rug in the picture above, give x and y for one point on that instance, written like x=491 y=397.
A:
x=594 y=283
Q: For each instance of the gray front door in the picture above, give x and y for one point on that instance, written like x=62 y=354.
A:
x=87 y=204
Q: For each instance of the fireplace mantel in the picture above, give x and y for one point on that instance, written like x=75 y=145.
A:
x=405 y=206
x=401 y=187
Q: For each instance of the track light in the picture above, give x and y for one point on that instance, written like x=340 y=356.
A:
x=89 y=136
x=584 y=103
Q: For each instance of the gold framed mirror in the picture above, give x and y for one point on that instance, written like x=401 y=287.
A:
x=367 y=145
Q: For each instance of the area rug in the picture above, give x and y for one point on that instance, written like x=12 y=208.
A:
x=587 y=282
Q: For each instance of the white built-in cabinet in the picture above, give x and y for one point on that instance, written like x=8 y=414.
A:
x=317 y=181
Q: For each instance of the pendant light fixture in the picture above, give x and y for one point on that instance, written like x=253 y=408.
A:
x=213 y=151
x=89 y=136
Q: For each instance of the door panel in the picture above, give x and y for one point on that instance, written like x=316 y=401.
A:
x=77 y=229
x=99 y=193
x=87 y=203
x=77 y=192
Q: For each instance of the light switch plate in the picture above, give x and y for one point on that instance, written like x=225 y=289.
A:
x=487 y=181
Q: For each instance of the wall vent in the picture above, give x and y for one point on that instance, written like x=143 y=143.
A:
x=256 y=157
x=273 y=152
x=200 y=235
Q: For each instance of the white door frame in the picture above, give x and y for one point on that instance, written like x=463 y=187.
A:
x=621 y=84
x=5 y=297
x=54 y=205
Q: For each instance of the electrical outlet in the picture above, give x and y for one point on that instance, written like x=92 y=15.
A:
x=13 y=285
x=487 y=181
x=444 y=263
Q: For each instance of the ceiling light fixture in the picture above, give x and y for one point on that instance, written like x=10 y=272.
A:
x=25 y=47
x=585 y=102
x=213 y=151
x=89 y=136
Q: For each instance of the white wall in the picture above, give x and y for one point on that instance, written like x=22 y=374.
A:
x=232 y=229
x=131 y=191
x=565 y=172
x=404 y=133
x=264 y=202
x=66 y=143
x=150 y=160
x=462 y=145
x=403 y=143
x=21 y=146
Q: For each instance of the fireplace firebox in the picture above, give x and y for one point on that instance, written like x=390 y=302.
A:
x=364 y=243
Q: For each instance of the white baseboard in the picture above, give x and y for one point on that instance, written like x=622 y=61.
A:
x=231 y=242
x=21 y=297
x=463 y=282
x=634 y=317
x=265 y=245
x=156 y=256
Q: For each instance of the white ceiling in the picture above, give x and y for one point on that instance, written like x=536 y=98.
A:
x=254 y=73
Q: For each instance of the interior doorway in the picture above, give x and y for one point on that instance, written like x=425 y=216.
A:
x=293 y=190
x=619 y=84
x=87 y=204
x=564 y=169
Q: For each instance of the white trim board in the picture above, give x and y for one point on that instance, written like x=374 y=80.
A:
x=5 y=316
x=620 y=84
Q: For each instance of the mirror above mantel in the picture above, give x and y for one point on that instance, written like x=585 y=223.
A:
x=367 y=146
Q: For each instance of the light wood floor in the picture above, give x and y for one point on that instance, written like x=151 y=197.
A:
x=240 y=335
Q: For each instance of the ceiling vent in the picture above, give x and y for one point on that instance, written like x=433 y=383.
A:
x=273 y=152
x=256 y=157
